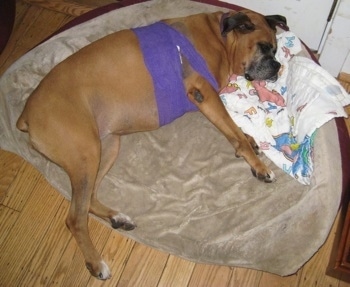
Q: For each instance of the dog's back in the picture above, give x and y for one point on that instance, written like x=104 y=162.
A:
x=105 y=78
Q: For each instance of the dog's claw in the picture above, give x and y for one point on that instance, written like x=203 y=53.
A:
x=101 y=277
x=122 y=225
x=268 y=177
x=128 y=226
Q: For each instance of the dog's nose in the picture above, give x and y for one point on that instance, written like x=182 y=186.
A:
x=248 y=77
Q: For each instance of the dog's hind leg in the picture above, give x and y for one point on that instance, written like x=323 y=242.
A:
x=82 y=170
x=109 y=152
x=75 y=146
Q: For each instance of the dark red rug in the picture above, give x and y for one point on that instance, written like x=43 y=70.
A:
x=7 y=19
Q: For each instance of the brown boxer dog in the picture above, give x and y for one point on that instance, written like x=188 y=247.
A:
x=78 y=112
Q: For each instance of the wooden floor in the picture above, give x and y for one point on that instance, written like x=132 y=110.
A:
x=36 y=248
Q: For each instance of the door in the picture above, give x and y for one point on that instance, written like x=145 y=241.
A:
x=335 y=54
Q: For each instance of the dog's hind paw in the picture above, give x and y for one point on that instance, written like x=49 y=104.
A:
x=268 y=177
x=103 y=272
x=122 y=221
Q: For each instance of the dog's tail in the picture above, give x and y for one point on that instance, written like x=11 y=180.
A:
x=22 y=123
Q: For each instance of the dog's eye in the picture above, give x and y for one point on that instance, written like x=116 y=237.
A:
x=265 y=48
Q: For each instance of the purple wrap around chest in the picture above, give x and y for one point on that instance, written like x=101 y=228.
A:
x=161 y=46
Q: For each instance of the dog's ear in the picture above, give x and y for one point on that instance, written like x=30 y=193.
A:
x=239 y=22
x=274 y=20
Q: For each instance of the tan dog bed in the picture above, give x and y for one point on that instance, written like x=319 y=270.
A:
x=182 y=184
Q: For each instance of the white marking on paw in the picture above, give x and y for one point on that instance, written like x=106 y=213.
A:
x=105 y=272
x=272 y=176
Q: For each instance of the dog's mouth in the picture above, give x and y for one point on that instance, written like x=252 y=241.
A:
x=270 y=79
x=273 y=78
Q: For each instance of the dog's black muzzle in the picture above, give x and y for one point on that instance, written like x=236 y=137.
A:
x=267 y=69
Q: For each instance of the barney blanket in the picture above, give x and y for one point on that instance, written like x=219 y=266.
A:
x=283 y=116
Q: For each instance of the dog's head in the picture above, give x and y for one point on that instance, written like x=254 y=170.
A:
x=251 y=44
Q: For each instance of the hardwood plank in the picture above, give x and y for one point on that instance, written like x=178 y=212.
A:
x=66 y=7
x=21 y=9
x=9 y=166
x=314 y=272
x=70 y=269
x=77 y=274
x=35 y=25
x=8 y=218
x=17 y=52
x=64 y=266
x=23 y=185
x=25 y=236
x=347 y=120
x=242 y=277
x=41 y=267
x=116 y=254
x=177 y=272
x=95 y=3
x=272 y=280
x=46 y=23
x=210 y=275
x=28 y=16
x=144 y=267
x=344 y=79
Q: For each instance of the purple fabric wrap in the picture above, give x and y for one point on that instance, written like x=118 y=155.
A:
x=159 y=43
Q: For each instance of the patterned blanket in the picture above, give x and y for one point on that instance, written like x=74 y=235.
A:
x=283 y=116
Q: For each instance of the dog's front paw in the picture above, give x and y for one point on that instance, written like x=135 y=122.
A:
x=100 y=271
x=265 y=176
x=122 y=221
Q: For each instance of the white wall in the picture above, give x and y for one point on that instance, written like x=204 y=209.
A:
x=306 y=18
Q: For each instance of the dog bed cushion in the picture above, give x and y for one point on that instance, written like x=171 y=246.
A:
x=182 y=184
